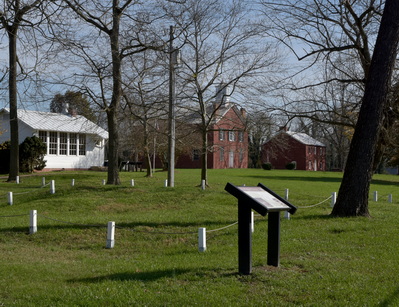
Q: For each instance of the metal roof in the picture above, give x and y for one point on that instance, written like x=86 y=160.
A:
x=58 y=122
x=304 y=138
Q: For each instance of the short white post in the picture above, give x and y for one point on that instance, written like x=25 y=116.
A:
x=252 y=221
x=43 y=181
x=166 y=183
x=390 y=198
x=132 y=182
x=375 y=195
x=17 y=179
x=110 y=235
x=287 y=215
x=286 y=194
x=103 y=181
x=52 y=187
x=33 y=222
x=203 y=184
x=202 y=239
x=333 y=198
x=73 y=182
x=9 y=198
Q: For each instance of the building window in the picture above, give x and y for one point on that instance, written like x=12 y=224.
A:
x=43 y=136
x=63 y=143
x=221 y=135
x=82 y=144
x=73 y=144
x=196 y=155
x=232 y=136
x=221 y=154
x=53 y=143
x=241 y=136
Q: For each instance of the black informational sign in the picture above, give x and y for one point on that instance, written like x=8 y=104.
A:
x=263 y=201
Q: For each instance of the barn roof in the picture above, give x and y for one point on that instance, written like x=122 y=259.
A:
x=58 y=122
x=304 y=138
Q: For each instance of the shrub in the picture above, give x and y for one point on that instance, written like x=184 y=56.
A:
x=291 y=165
x=267 y=166
x=5 y=157
x=31 y=154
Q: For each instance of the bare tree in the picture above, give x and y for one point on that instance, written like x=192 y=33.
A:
x=222 y=47
x=13 y=15
x=334 y=41
x=113 y=31
x=354 y=190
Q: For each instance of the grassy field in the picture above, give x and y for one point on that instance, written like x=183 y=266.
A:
x=155 y=262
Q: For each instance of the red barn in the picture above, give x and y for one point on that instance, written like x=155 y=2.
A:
x=288 y=146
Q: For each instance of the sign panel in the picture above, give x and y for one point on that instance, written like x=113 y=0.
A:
x=267 y=200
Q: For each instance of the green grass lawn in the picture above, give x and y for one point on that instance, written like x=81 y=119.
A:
x=155 y=262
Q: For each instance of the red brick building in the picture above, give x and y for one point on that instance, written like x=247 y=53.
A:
x=288 y=146
x=227 y=140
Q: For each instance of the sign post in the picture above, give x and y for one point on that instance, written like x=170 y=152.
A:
x=262 y=200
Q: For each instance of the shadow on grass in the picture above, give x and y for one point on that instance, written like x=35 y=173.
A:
x=296 y=178
x=133 y=276
x=391 y=300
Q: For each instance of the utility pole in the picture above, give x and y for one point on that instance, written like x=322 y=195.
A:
x=173 y=61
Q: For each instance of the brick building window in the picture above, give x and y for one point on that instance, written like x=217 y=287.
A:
x=232 y=136
x=221 y=135
x=196 y=155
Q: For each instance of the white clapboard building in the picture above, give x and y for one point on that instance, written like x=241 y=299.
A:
x=73 y=142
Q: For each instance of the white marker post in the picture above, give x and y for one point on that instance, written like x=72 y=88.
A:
x=252 y=222
x=333 y=198
x=9 y=198
x=286 y=194
x=390 y=198
x=103 y=181
x=17 y=179
x=52 y=187
x=43 y=181
x=166 y=183
x=73 y=182
x=132 y=182
x=375 y=195
x=110 y=235
x=33 y=222
x=202 y=239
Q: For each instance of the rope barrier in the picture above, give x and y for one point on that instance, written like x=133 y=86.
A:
x=304 y=207
x=70 y=223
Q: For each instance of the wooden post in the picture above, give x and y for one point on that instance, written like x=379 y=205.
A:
x=33 y=222
x=273 y=239
x=244 y=239
x=110 y=235
x=333 y=198
x=43 y=181
x=52 y=187
x=202 y=239
x=9 y=198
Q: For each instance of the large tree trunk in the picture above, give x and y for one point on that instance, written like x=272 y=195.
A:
x=354 y=190
x=14 y=148
x=113 y=148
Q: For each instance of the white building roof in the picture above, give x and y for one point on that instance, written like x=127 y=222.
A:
x=304 y=138
x=47 y=121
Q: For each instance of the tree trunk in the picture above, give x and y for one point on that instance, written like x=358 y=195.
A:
x=204 y=154
x=354 y=190
x=14 y=144
x=113 y=148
